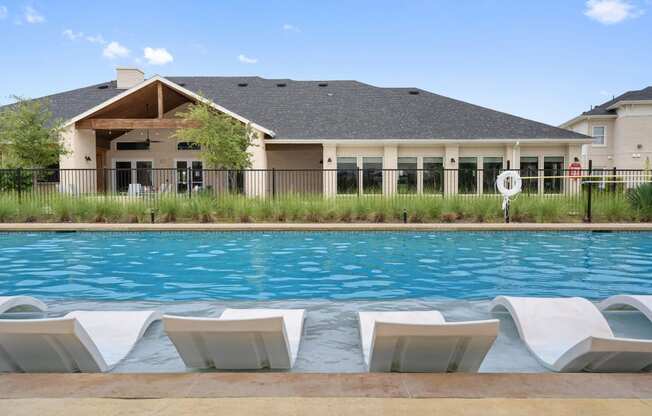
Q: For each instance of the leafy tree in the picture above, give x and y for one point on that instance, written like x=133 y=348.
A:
x=224 y=140
x=29 y=137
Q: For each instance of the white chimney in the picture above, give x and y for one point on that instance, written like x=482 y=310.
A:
x=128 y=77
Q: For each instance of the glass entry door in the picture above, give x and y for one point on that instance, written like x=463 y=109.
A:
x=190 y=175
x=122 y=176
x=133 y=172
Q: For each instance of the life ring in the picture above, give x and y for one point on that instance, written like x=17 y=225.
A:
x=504 y=179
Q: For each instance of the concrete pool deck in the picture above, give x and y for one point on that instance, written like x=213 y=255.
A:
x=325 y=394
x=8 y=227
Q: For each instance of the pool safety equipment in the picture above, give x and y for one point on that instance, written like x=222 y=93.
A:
x=509 y=185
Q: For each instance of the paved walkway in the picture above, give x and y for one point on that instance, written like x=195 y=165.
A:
x=326 y=227
x=291 y=394
x=324 y=406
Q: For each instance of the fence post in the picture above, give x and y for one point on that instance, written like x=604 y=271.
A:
x=613 y=180
x=19 y=183
x=359 y=181
x=273 y=183
x=189 y=182
x=589 y=194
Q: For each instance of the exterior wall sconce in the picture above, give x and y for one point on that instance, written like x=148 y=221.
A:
x=87 y=158
x=452 y=160
x=330 y=160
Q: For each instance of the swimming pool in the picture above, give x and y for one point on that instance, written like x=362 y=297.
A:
x=336 y=266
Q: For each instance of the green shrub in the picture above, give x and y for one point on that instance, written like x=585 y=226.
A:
x=640 y=199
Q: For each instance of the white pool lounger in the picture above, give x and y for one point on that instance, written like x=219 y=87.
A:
x=81 y=341
x=642 y=303
x=422 y=341
x=571 y=335
x=240 y=339
x=8 y=303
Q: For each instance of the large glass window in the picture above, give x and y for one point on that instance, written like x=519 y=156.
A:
x=491 y=167
x=144 y=173
x=598 y=135
x=553 y=166
x=407 y=175
x=372 y=175
x=347 y=175
x=530 y=168
x=468 y=171
x=433 y=175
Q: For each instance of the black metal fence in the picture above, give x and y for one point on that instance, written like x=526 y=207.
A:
x=154 y=184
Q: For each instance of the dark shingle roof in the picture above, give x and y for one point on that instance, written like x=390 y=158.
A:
x=601 y=110
x=340 y=110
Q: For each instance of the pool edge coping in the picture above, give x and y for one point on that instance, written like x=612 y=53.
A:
x=377 y=385
x=21 y=227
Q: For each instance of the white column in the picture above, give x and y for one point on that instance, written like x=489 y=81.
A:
x=390 y=175
x=573 y=186
x=451 y=161
x=81 y=148
x=329 y=163
x=256 y=178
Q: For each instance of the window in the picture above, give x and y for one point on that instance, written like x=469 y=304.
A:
x=553 y=166
x=188 y=146
x=407 y=175
x=599 y=135
x=144 y=173
x=433 y=175
x=132 y=146
x=372 y=175
x=50 y=174
x=467 y=175
x=530 y=168
x=347 y=175
x=195 y=169
x=491 y=167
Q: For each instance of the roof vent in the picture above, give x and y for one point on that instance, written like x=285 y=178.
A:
x=281 y=84
x=102 y=87
x=414 y=92
x=182 y=84
x=242 y=84
x=323 y=84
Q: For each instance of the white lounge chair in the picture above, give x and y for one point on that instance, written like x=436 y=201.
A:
x=643 y=303
x=570 y=335
x=422 y=341
x=135 y=189
x=81 y=341
x=240 y=339
x=22 y=303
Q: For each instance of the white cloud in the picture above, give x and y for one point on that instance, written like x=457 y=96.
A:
x=72 y=35
x=246 y=60
x=609 y=12
x=158 y=56
x=290 y=28
x=3 y=12
x=32 y=16
x=115 y=50
x=96 y=39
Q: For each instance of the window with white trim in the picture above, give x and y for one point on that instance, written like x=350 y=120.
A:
x=599 y=135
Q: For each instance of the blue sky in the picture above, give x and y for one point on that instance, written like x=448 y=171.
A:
x=544 y=60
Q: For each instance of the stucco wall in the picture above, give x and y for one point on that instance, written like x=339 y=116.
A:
x=632 y=127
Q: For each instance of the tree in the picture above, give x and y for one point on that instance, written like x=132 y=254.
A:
x=223 y=139
x=29 y=137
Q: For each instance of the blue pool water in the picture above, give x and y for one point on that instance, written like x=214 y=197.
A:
x=237 y=266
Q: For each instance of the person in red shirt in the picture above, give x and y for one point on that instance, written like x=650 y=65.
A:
x=575 y=168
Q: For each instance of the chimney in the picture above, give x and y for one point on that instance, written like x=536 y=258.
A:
x=128 y=77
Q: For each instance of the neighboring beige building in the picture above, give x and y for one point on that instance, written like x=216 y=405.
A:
x=330 y=137
x=622 y=131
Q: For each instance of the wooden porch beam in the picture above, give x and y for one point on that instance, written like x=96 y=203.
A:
x=159 y=91
x=132 y=123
